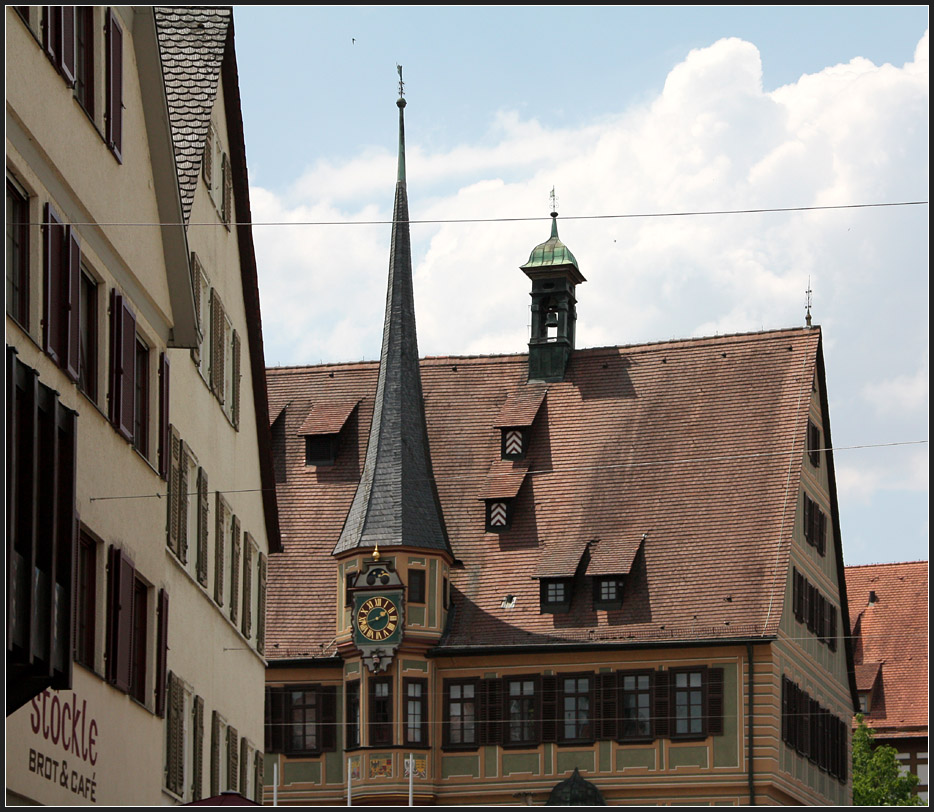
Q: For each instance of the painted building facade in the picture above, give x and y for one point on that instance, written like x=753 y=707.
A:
x=620 y=564
x=138 y=525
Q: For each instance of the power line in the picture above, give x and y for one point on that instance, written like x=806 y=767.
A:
x=467 y=220
x=559 y=471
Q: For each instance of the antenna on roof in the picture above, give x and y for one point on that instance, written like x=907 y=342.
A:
x=808 y=292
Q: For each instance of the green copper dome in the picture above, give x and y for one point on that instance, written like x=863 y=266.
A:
x=552 y=252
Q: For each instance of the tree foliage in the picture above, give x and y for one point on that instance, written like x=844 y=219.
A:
x=878 y=779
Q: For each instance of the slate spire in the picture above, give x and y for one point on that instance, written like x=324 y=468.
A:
x=396 y=503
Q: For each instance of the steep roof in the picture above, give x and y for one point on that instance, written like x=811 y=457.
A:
x=892 y=642
x=671 y=458
x=191 y=44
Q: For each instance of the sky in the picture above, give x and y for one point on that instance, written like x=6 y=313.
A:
x=623 y=111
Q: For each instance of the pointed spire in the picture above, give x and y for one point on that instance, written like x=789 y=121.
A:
x=396 y=503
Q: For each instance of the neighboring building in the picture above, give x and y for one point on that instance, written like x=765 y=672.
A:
x=139 y=517
x=889 y=618
x=621 y=561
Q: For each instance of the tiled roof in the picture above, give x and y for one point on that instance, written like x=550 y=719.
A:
x=866 y=675
x=892 y=631
x=326 y=418
x=191 y=44
x=504 y=480
x=520 y=407
x=687 y=442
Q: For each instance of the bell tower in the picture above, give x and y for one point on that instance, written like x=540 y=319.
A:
x=554 y=274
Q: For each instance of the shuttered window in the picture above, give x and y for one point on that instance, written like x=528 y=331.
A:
x=17 y=254
x=122 y=365
x=87 y=335
x=814 y=444
x=301 y=719
x=234 y=569
x=141 y=397
x=84 y=58
x=201 y=564
x=86 y=601
x=233 y=758
x=261 y=607
x=197 y=747
x=164 y=441
x=249 y=554
x=813 y=731
x=162 y=649
x=222 y=527
x=62 y=284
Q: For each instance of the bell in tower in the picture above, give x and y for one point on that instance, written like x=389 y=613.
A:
x=554 y=274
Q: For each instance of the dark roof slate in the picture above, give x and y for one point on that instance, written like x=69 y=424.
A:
x=687 y=442
x=191 y=45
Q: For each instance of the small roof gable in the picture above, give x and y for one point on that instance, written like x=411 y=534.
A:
x=504 y=480
x=866 y=675
x=327 y=418
x=521 y=406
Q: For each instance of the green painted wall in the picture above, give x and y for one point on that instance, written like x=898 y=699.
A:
x=726 y=747
x=452 y=766
x=301 y=772
x=521 y=763
x=584 y=761
x=636 y=757
x=687 y=757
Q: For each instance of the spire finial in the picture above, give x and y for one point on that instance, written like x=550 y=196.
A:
x=400 y=103
x=554 y=213
x=808 y=292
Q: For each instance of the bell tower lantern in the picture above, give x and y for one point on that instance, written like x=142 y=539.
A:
x=554 y=274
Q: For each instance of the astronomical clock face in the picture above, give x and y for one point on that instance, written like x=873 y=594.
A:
x=378 y=618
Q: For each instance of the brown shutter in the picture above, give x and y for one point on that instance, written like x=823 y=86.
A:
x=164 y=415
x=197 y=756
x=202 y=559
x=116 y=355
x=715 y=701
x=247 y=618
x=235 y=569
x=178 y=733
x=232 y=758
x=821 y=532
x=128 y=373
x=235 y=383
x=328 y=703
x=196 y=290
x=207 y=162
x=490 y=701
x=72 y=297
x=661 y=704
x=174 y=473
x=114 y=85
x=607 y=705
x=183 y=487
x=217 y=346
x=227 y=192
x=172 y=739
x=258 y=765
x=162 y=649
x=244 y=761
x=548 y=706
x=215 y=754
x=261 y=607
x=120 y=617
x=67 y=52
x=219 y=537
x=55 y=261
x=832 y=627
x=276 y=725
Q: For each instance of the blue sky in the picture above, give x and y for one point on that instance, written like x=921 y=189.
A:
x=623 y=110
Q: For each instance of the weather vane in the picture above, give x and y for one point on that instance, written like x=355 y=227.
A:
x=554 y=201
x=401 y=83
x=808 y=293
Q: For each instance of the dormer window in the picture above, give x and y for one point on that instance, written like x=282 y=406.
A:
x=608 y=592
x=322 y=430
x=555 y=595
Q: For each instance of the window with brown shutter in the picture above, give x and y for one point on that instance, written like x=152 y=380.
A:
x=58 y=39
x=141 y=397
x=164 y=447
x=62 y=281
x=201 y=562
x=244 y=761
x=246 y=623
x=17 y=253
x=162 y=649
x=139 y=648
x=174 y=737
x=86 y=600
x=227 y=193
x=261 y=607
x=114 y=99
x=121 y=584
x=84 y=58
x=122 y=365
x=87 y=335
x=197 y=749
x=235 y=381
x=221 y=532
x=234 y=569
x=607 y=706
x=258 y=770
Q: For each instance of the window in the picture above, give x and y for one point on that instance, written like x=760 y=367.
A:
x=380 y=711
x=249 y=556
x=122 y=365
x=202 y=290
x=225 y=360
x=40 y=458
x=222 y=528
x=814 y=610
x=220 y=762
x=688 y=702
x=184 y=735
x=58 y=39
x=353 y=714
x=217 y=175
x=522 y=714
x=141 y=398
x=813 y=731
x=635 y=709
x=608 y=592
x=87 y=335
x=17 y=254
x=460 y=711
x=555 y=595
x=416 y=586
x=416 y=711
x=86 y=601
x=576 y=703
x=814 y=444
x=321 y=449
x=233 y=577
x=84 y=58
x=301 y=719
x=114 y=98
x=349 y=579
x=512 y=444
x=815 y=525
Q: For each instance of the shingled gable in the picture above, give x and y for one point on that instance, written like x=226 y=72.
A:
x=396 y=503
x=197 y=56
x=696 y=443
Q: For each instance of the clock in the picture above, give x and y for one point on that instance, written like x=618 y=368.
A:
x=378 y=618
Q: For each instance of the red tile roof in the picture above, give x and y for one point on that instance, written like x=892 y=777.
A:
x=892 y=631
x=687 y=442
x=504 y=480
x=521 y=407
x=326 y=418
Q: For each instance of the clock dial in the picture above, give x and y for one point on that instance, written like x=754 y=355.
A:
x=377 y=618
